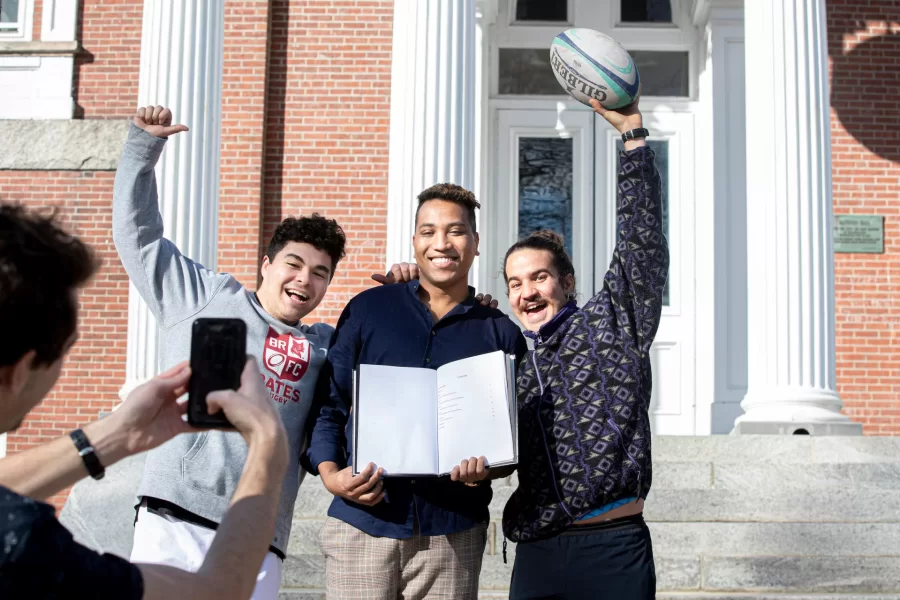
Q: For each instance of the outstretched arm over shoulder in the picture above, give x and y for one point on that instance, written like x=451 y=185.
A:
x=172 y=285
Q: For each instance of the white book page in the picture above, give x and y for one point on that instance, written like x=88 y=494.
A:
x=473 y=411
x=395 y=424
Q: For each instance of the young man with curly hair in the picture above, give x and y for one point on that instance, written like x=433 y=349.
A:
x=187 y=483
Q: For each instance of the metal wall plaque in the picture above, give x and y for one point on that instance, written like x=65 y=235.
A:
x=859 y=233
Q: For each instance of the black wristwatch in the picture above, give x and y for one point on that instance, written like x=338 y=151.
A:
x=635 y=134
x=86 y=451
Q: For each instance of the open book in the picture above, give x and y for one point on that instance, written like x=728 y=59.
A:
x=416 y=421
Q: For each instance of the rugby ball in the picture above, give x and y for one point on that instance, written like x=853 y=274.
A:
x=589 y=64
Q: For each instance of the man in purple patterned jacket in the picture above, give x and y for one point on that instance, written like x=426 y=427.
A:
x=584 y=395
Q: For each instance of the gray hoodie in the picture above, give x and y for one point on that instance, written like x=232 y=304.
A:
x=199 y=472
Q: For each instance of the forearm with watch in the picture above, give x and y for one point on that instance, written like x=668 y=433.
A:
x=633 y=132
x=43 y=471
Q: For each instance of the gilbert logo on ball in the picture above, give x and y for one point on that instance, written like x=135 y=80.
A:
x=589 y=64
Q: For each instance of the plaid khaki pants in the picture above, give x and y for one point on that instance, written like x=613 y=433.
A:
x=364 y=567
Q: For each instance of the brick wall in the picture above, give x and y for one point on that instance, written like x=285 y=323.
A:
x=864 y=48
x=38 y=19
x=106 y=73
x=327 y=129
x=95 y=369
x=243 y=138
x=321 y=143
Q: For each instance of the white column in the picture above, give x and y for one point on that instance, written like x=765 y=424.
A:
x=432 y=109
x=181 y=68
x=790 y=286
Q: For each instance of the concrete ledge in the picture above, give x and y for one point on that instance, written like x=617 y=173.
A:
x=39 y=48
x=54 y=145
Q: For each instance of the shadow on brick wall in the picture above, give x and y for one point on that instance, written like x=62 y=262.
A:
x=82 y=58
x=276 y=90
x=865 y=82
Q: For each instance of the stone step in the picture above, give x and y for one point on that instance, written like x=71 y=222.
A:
x=776 y=449
x=756 y=596
x=797 y=557
x=705 y=492
x=776 y=539
x=713 y=539
x=773 y=504
x=320 y=595
x=720 y=575
x=287 y=594
x=806 y=574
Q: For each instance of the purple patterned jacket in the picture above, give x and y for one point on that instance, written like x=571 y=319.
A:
x=584 y=391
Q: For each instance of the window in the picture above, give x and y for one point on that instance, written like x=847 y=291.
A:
x=527 y=71
x=549 y=11
x=663 y=73
x=12 y=18
x=646 y=11
x=545 y=186
x=661 y=149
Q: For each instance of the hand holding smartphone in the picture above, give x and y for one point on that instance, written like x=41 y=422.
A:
x=218 y=354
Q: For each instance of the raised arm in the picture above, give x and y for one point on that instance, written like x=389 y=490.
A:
x=172 y=285
x=640 y=264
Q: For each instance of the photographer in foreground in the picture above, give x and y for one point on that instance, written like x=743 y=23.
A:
x=41 y=270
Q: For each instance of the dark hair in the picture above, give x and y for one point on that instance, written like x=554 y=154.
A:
x=547 y=240
x=324 y=234
x=451 y=193
x=40 y=267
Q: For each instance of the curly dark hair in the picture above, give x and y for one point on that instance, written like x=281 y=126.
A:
x=547 y=240
x=324 y=234
x=451 y=193
x=41 y=266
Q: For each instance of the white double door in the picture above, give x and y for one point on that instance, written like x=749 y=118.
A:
x=556 y=169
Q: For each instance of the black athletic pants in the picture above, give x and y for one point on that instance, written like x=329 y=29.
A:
x=604 y=561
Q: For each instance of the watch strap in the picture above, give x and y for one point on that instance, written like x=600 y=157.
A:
x=635 y=134
x=88 y=456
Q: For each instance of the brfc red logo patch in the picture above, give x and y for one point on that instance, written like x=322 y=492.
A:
x=285 y=355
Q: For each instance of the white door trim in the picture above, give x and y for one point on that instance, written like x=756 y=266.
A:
x=501 y=217
x=674 y=349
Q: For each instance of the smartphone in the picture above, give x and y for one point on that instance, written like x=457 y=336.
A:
x=218 y=354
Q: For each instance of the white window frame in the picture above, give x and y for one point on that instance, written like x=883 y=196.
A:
x=24 y=30
x=570 y=17
x=680 y=36
x=679 y=18
x=500 y=216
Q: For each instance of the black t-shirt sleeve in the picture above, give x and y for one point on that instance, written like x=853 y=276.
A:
x=39 y=558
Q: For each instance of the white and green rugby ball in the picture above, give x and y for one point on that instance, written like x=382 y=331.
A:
x=589 y=64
